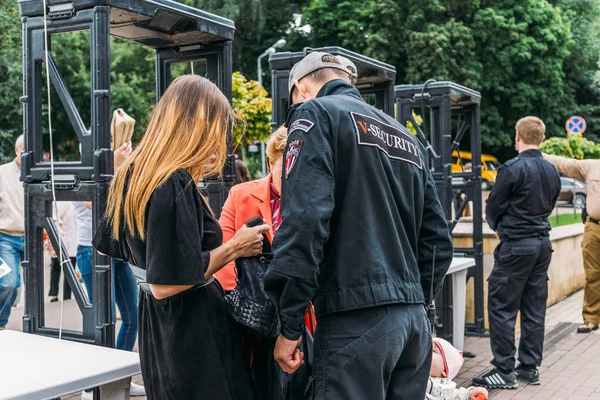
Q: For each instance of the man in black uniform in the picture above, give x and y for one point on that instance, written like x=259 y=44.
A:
x=523 y=197
x=363 y=234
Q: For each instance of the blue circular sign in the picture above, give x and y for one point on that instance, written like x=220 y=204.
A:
x=575 y=124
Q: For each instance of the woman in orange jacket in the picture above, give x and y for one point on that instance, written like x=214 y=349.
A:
x=246 y=200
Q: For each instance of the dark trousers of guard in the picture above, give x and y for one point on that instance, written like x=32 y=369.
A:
x=518 y=282
x=378 y=353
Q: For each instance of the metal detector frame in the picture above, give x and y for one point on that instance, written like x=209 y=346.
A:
x=179 y=34
x=447 y=102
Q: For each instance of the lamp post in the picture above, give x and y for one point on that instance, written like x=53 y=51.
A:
x=280 y=43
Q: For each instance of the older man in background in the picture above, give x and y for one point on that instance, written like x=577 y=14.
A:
x=12 y=242
x=589 y=172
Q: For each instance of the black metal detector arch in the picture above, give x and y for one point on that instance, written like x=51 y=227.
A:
x=179 y=34
x=452 y=121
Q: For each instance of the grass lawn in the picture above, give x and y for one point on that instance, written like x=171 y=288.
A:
x=565 y=219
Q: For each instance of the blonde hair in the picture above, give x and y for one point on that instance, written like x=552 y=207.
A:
x=531 y=130
x=276 y=144
x=187 y=130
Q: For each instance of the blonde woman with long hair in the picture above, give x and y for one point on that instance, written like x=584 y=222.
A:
x=157 y=220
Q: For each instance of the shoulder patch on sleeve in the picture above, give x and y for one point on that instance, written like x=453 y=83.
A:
x=301 y=124
x=391 y=140
x=291 y=156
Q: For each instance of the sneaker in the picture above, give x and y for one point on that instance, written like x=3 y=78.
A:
x=137 y=390
x=496 y=379
x=531 y=376
x=87 y=395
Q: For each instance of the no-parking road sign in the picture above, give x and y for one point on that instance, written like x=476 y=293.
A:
x=575 y=124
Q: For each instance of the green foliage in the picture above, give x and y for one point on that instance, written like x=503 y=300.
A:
x=254 y=164
x=132 y=78
x=581 y=64
x=418 y=120
x=253 y=106
x=258 y=24
x=11 y=120
x=526 y=57
x=573 y=146
x=132 y=84
x=369 y=27
x=565 y=219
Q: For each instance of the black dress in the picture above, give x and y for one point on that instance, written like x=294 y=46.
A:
x=189 y=348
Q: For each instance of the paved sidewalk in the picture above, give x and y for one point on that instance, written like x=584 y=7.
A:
x=569 y=369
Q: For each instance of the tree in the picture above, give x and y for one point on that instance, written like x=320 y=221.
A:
x=370 y=27
x=132 y=85
x=11 y=120
x=511 y=51
x=253 y=108
x=258 y=24
x=581 y=64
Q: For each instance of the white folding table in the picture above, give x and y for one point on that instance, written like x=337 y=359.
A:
x=38 y=367
x=458 y=270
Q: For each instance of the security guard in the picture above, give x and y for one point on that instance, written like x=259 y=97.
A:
x=521 y=200
x=361 y=224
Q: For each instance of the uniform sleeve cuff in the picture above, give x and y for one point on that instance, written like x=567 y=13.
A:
x=291 y=334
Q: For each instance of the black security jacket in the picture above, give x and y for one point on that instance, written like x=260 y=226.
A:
x=523 y=197
x=360 y=212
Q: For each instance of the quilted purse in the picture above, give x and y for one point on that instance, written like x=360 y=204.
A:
x=248 y=304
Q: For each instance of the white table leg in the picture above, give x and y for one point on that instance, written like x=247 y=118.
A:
x=118 y=390
x=459 y=294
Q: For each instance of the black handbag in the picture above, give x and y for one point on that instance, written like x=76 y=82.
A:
x=248 y=304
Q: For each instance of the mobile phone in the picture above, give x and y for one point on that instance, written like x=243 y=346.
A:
x=255 y=221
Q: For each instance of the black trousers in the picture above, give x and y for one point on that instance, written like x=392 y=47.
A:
x=379 y=353
x=55 y=278
x=518 y=282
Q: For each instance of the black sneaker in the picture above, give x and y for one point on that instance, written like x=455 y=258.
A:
x=496 y=379
x=531 y=376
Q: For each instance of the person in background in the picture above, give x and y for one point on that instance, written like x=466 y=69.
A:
x=12 y=230
x=68 y=228
x=258 y=197
x=589 y=172
x=157 y=220
x=241 y=173
x=125 y=288
x=520 y=202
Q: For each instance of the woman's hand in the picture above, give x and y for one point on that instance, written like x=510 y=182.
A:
x=247 y=242
x=121 y=154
